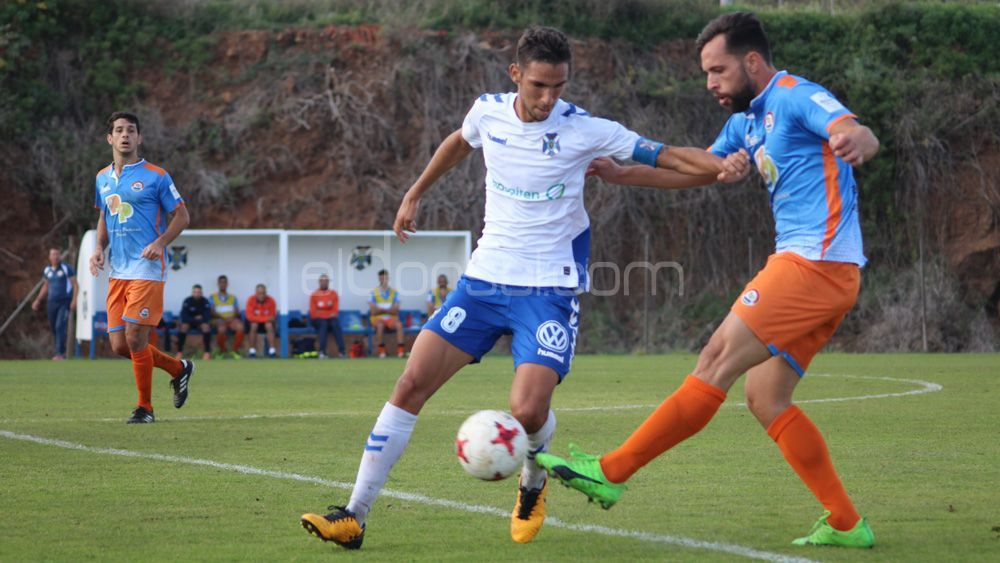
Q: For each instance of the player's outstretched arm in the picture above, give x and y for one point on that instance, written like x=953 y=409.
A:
x=645 y=176
x=451 y=151
x=689 y=160
x=735 y=167
x=179 y=222
x=853 y=142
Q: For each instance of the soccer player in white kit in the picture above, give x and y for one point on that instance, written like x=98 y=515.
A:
x=524 y=275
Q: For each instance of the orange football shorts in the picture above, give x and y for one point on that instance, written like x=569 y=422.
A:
x=794 y=305
x=135 y=301
x=389 y=323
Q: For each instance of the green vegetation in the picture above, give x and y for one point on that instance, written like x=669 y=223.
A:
x=922 y=74
x=917 y=466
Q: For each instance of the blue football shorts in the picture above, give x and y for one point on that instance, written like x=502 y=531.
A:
x=542 y=320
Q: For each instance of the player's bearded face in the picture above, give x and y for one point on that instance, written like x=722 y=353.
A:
x=539 y=86
x=739 y=100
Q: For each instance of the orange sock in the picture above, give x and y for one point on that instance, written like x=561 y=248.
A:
x=169 y=364
x=237 y=341
x=220 y=339
x=678 y=418
x=805 y=450
x=142 y=366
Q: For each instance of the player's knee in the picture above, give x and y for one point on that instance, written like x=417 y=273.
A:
x=410 y=392
x=121 y=348
x=764 y=406
x=531 y=416
x=135 y=343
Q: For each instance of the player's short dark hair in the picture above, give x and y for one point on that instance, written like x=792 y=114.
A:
x=260 y=286
x=383 y=272
x=543 y=44
x=130 y=117
x=743 y=31
x=196 y=286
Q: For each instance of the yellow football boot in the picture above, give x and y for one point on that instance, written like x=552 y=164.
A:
x=339 y=526
x=529 y=513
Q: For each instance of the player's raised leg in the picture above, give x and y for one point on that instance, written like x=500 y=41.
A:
x=530 y=400
x=432 y=362
x=732 y=349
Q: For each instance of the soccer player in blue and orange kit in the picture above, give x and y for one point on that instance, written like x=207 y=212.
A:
x=804 y=143
x=135 y=198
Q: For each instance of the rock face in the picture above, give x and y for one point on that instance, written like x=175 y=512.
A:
x=969 y=224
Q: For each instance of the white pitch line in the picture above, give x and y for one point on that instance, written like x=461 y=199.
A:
x=721 y=547
x=924 y=387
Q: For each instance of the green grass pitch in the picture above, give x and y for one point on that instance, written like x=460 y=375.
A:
x=915 y=438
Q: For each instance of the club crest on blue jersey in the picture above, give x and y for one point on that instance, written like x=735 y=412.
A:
x=769 y=121
x=361 y=257
x=178 y=257
x=550 y=144
x=137 y=186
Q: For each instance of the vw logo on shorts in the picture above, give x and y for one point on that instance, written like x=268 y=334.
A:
x=750 y=298
x=553 y=336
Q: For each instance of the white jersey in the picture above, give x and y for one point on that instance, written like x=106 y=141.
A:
x=537 y=232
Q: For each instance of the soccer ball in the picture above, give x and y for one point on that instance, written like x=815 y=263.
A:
x=491 y=445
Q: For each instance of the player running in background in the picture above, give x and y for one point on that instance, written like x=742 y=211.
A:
x=134 y=198
x=523 y=277
x=804 y=143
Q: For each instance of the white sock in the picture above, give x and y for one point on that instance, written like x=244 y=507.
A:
x=252 y=351
x=383 y=449
x=532 y=476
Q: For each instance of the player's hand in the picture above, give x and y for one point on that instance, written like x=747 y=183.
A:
x=406 y=218
x=845 y=146
x=96 y=261
x=35 y=305
x=606 y=169
x=735 y=167
x=153 y=251
x=72 y=305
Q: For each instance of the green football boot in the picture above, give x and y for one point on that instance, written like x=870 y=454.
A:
x=823 y=533
x=583 y=473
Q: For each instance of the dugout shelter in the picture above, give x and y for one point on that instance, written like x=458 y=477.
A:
x=289 y=263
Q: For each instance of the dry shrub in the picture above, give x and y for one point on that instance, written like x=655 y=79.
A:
x=888 y=316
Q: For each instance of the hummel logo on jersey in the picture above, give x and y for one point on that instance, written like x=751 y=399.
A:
x=497 y=140
x=105 y=188
x=553 y=336
x=550 y=144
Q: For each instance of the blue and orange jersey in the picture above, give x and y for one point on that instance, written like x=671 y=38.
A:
x=814 y=197
x=136 y=208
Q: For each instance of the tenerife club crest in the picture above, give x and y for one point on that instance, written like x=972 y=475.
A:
x=361 y=257
x=178 y=257
x=550 y=144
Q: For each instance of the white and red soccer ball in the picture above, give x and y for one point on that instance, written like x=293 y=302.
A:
x=491 y=445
